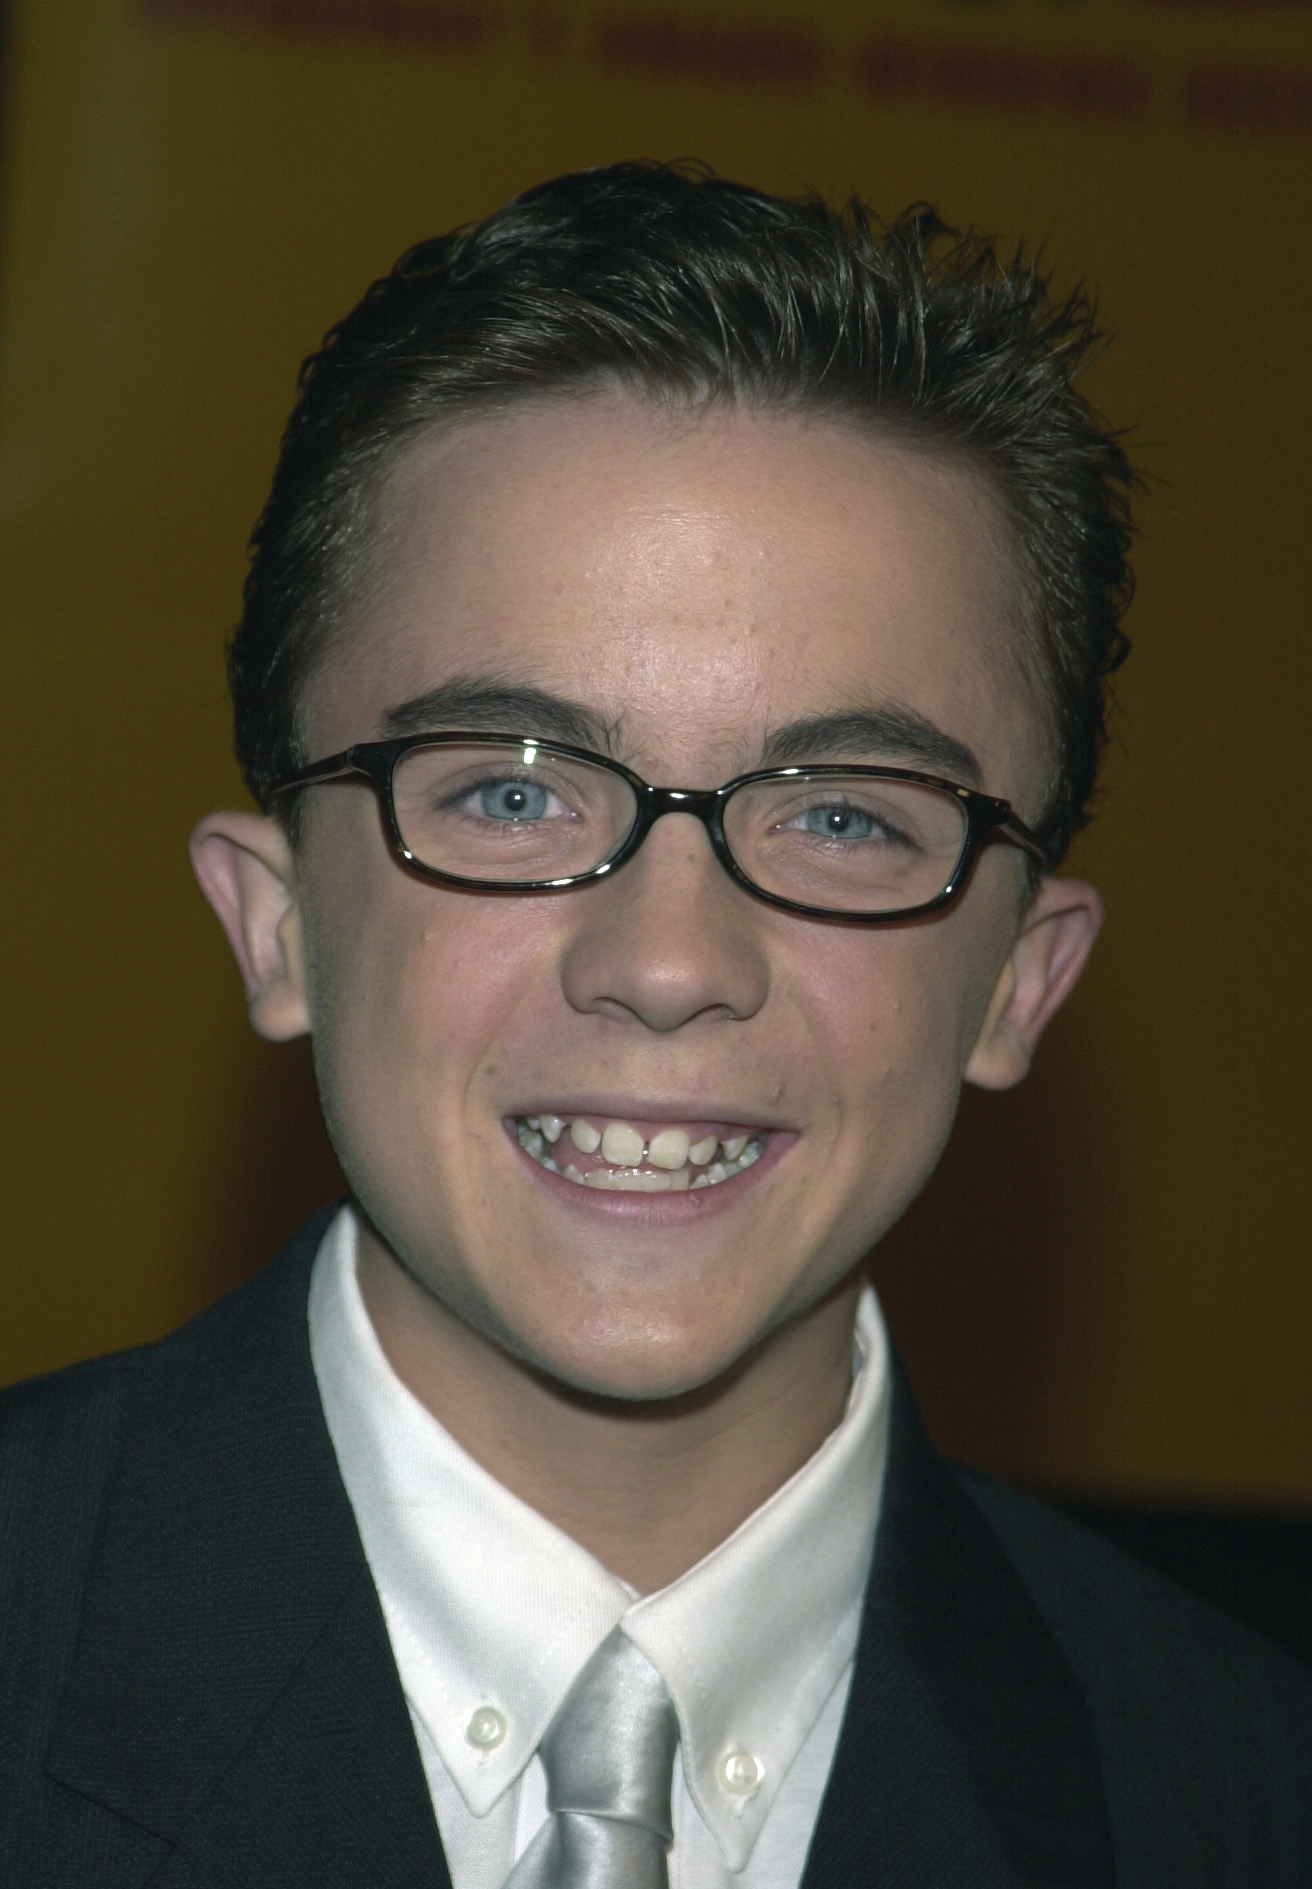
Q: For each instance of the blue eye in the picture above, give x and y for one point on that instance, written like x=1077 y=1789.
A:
x=839 y=823
x=512 y=800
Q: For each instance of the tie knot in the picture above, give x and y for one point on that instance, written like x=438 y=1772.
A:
x=609 y=1751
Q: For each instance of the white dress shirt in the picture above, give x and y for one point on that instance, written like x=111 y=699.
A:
x=492 y=1613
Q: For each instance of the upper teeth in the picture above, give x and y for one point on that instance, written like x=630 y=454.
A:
x=621 y=1145
x=671 y=1152
x=669 y=1149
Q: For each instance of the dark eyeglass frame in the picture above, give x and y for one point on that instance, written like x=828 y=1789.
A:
x=987 y=818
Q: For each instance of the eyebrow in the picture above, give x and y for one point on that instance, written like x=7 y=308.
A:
x=863 y=733
x=500 y=705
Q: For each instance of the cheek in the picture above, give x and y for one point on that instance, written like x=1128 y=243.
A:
x=414 y=993
x=882 y=1009
x=890 y=1018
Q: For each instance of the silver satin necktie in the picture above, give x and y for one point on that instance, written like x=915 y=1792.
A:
x=609 y=1759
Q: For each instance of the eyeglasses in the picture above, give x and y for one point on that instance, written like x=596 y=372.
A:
x=508 y=813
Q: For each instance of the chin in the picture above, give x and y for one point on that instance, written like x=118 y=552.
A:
x=641 y=1368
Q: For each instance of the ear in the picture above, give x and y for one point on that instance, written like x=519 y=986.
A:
x=1043 y=966
x=247 y=871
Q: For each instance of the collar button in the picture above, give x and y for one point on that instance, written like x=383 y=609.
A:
x=740 y=1773
x=486 y=1728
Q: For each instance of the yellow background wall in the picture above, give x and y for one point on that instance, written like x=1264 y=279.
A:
x=1107 y=1287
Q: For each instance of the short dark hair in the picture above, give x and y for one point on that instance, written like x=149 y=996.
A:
x=681 y=287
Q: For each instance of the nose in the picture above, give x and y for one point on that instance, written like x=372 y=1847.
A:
x=670 y=939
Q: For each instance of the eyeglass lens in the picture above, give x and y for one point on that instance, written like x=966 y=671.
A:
x=519 y=814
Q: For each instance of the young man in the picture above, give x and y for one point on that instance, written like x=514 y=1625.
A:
x=671 y=673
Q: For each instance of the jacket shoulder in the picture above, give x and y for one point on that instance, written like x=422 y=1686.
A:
x=56 y=1438
x=1190 y=1708
x=174 y=1540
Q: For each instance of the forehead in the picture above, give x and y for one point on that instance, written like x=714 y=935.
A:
x=694 y=581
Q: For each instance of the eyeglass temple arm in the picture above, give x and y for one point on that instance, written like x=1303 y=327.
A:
x=1012 y=828
x=333 y=767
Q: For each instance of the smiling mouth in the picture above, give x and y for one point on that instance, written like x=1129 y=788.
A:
x=621 y=1157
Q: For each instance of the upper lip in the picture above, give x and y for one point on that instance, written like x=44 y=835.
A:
x=613 y=1108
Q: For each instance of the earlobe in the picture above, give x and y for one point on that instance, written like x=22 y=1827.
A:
x=1043 y=966
x=247 y=870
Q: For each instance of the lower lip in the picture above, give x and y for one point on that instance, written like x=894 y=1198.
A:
x=659 y=1210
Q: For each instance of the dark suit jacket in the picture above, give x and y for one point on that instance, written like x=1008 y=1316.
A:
x=196 y=1686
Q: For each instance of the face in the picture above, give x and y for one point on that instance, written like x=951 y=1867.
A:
x=692 y=585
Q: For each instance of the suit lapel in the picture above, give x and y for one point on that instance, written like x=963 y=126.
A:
x=967 y=1756
x=233 y=1688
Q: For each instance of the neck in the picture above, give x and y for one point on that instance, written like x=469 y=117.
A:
x=647 y=1488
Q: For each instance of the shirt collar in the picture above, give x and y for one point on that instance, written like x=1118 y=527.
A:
x=488 y=1605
